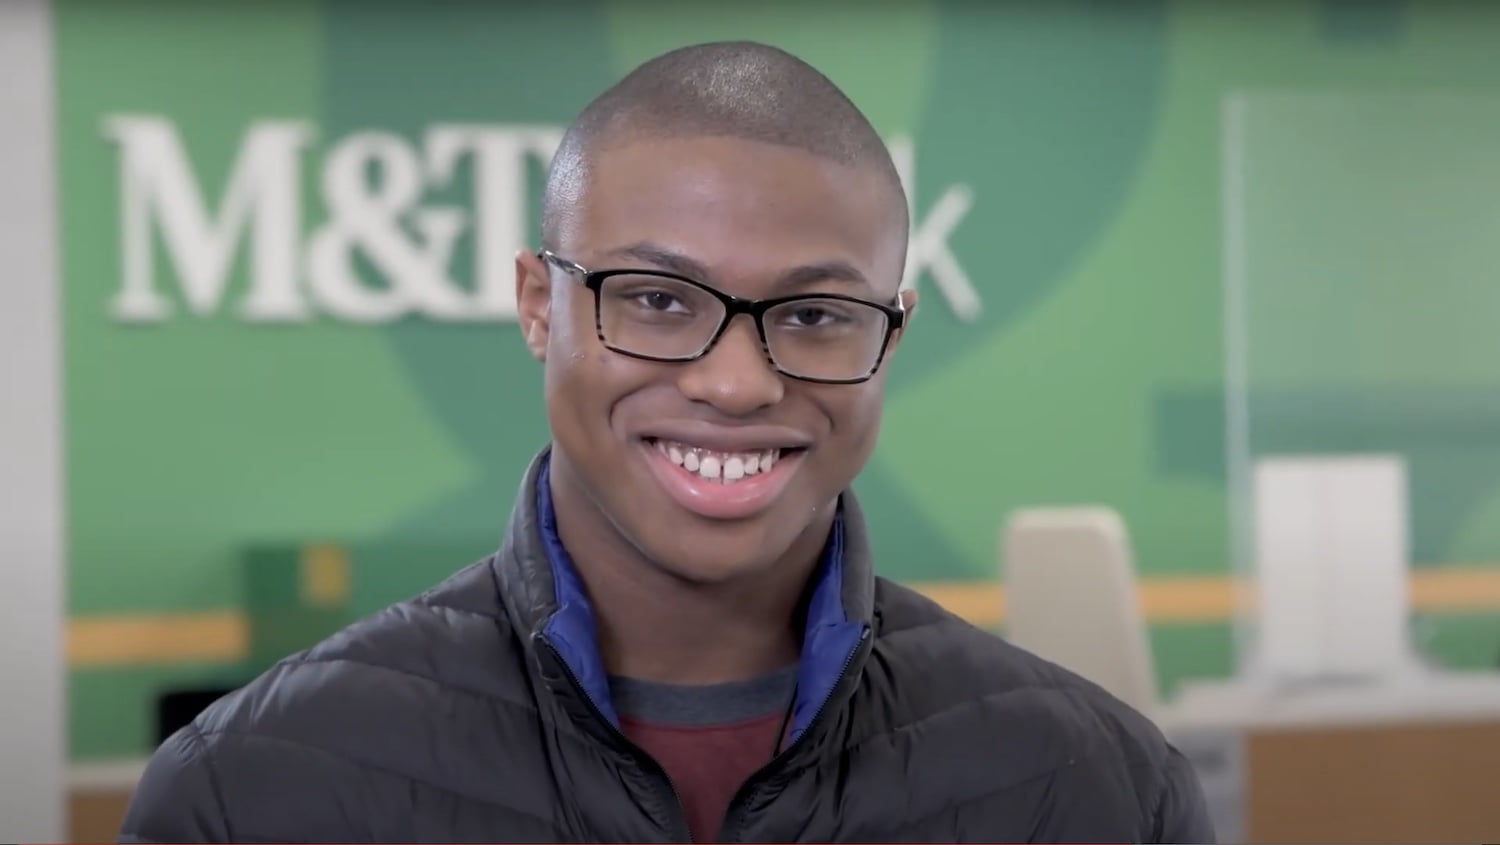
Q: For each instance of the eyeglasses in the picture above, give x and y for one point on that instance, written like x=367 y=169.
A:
x=826 y=338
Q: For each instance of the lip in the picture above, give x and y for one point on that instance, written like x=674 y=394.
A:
x=715 y=500
x=722 y=438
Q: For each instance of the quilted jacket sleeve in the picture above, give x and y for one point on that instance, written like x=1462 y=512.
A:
x=178 y=798
x=1182 y=814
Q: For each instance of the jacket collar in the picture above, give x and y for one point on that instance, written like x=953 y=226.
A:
x=545 y=599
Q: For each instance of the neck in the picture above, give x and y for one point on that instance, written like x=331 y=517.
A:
x=655 y=625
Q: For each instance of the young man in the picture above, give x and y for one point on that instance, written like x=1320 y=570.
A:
x=682 y=637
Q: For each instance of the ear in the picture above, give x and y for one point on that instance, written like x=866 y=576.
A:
x=909 y=305
x=533 y=302
x=909 y=302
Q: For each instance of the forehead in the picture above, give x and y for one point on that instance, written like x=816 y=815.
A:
x=744 y=209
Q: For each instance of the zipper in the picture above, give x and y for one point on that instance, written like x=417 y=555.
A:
x=641 y=757
x=752 y=788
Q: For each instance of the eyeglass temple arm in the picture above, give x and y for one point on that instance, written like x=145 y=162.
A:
x=547 y=256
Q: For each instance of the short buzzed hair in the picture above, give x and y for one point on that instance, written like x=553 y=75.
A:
x=736 y=89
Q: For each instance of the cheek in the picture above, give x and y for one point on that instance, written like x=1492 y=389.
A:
x=573 y=349
x=585 y=383
x=867 y=420
x=855 y=422
x=572 y=327
x=572 y=369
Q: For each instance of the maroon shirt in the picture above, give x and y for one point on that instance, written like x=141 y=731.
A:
x=709 y=739
x=707 y=764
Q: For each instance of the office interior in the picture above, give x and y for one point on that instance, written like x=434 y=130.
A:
x=1202 y=400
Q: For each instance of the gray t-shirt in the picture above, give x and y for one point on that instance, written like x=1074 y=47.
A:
x=699 y=706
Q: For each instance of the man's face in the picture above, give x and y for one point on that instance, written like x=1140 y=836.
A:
x=748 y=219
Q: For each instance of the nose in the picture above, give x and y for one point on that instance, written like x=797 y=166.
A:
x=734 y=376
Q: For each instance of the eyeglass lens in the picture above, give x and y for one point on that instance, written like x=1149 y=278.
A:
x=668 y=319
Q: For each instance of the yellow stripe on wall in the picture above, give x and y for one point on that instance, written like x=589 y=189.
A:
x=223 y=636
x=1211 y=598
x=1455 y=590
x=216 y=637
x=1163 y=600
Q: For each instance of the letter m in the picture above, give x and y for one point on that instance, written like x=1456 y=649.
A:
x=159 y=192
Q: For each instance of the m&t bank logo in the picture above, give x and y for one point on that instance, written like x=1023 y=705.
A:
x=295 y=271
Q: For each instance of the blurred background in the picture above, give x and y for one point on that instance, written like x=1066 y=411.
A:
x=1203 y=399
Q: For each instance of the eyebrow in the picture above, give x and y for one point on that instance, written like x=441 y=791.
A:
x=798 y=277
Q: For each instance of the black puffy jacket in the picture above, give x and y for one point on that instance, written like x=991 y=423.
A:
x=474 y=713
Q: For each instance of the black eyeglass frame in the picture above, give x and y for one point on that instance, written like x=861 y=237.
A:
x=733 y=306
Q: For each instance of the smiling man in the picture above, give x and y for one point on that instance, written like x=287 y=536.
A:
x=682 y=636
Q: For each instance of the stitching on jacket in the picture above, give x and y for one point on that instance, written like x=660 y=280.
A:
x=1133 y=762
x=888 y=632
x=936 y=714
x=1159 y=812
x=1142 y=757
x=423 y=601
x=131 y=839
x=908 y=605
x=959 y=803
x=954 y=806
x=530 y=709
x=213 y=780
x=1158 y=808
x=375 y=767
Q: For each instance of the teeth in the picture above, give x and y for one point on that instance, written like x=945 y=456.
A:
x=724 y=467
x=709 y=467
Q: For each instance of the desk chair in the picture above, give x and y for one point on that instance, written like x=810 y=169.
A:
x=1070 y=594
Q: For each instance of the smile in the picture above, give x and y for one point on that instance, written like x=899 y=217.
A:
x=721 y=484
x=724 y=467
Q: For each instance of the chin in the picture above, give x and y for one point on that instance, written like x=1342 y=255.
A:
x=713 y=553
x=700 y=574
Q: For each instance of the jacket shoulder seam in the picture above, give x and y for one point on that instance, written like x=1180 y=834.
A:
x=982 y=698
x=201 y=740
x=444 y=684
x=425 y=601
x=527 y=708
x=376 y=767
x=960 y=803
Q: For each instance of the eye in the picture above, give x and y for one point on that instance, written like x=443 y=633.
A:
x=814 y=315
x=658 y=300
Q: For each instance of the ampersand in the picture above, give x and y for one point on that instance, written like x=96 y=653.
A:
x=366 y=215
